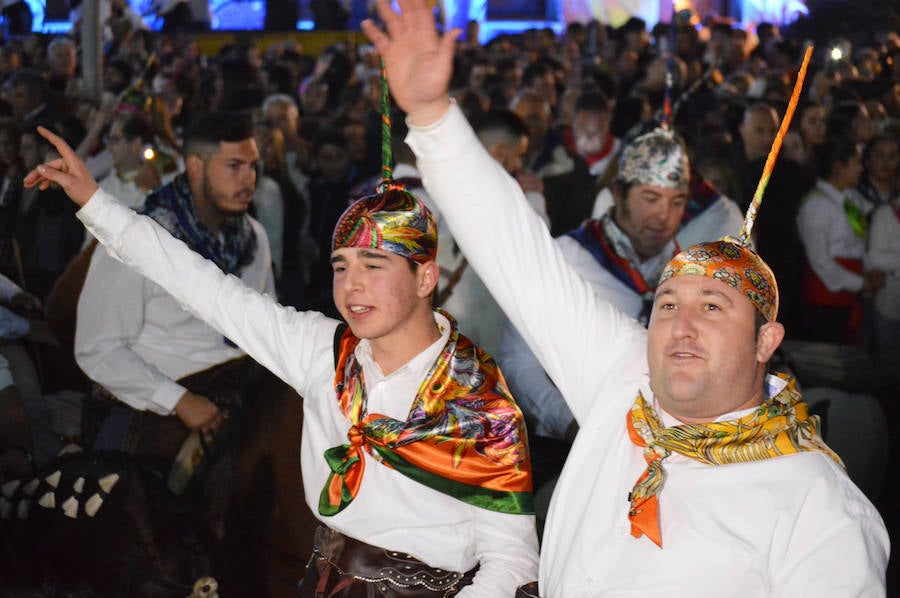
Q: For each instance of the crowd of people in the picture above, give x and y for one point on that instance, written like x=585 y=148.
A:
x=626 y=145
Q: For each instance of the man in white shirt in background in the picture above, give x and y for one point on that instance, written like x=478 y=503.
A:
x=133 y=175
x=694 y=473
x=132 y=338
x=505 y=137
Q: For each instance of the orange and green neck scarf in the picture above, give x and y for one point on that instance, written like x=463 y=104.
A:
x=780 y=426
x=464 y=435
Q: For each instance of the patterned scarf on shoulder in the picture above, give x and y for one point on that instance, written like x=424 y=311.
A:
x=607 y=244
x=780 y=426
x=464 y=435
x=172 y=207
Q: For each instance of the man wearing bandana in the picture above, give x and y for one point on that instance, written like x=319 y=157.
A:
x=694 y=473
x=620 y=254
x=132 y=339
x=414 y=456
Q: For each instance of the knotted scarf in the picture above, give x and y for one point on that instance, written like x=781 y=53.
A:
x=464 y=435
x=780 y=426
x=172 y=207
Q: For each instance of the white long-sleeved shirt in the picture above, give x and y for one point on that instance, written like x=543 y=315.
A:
x=534 y=391
x=390 y=510
x=884 y=254
x=132 y=338
x=826 y=234
x=790 y=526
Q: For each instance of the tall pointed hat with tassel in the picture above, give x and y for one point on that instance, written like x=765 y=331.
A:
x=731 y=260
x=392 y=219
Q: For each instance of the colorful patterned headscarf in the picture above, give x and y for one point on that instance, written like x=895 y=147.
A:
x=734 y=264
x=655 y=158
x=394 y=220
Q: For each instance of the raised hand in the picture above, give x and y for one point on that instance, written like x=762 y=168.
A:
x=418 y=61
x=69 y=172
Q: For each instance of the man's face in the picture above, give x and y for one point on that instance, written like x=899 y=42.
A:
x=333 y=162
x=758 y=131
x=590 y=130
x=21 y=101
x=355 y=135
x=510 y=154
x=545 y=86
x=702 y=349
x=884 y=160
x=229 y=177
x=125 y=153
x=62 y=60
x=812 y=125
x=848 y=173
x=650 y=216
x=536 y=113
x=377 y=293
x=283 y=117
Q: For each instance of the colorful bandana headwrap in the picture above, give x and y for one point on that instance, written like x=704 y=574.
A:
x=655 y=158
x=394 y=220
x=735 y=265
x=464 y=435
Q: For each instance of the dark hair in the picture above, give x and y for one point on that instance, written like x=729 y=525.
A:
x=870 y=146
x=506 y=122
x=838 y=150
x=841 y=117
x=134 y=126
x=203 y=136
x=329 y=136
x=534 y=71
x=34 y=82
x=66 y=126
x=594 y=101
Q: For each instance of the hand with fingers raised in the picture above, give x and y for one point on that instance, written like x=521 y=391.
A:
x=417 y=59
x=69 y=172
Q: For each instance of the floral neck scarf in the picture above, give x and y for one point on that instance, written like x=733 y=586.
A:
x=780 y=426
x=464 y=435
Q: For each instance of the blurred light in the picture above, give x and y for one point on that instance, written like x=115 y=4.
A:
x=149 y=154
x=837 y=53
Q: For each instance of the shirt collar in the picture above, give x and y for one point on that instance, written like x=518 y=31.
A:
x=418 y=365
x=831 y=192
x=649 y=269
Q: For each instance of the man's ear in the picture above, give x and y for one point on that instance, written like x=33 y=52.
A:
x=427 y=275
x=768 y=339
x=193 y=164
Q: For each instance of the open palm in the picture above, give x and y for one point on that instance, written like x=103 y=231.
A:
x=418 y=61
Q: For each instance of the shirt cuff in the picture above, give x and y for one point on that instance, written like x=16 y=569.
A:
x=166 y=397
x=105 y=216
x=442 y=138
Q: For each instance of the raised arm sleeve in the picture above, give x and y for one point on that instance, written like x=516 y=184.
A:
x=583 y=342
